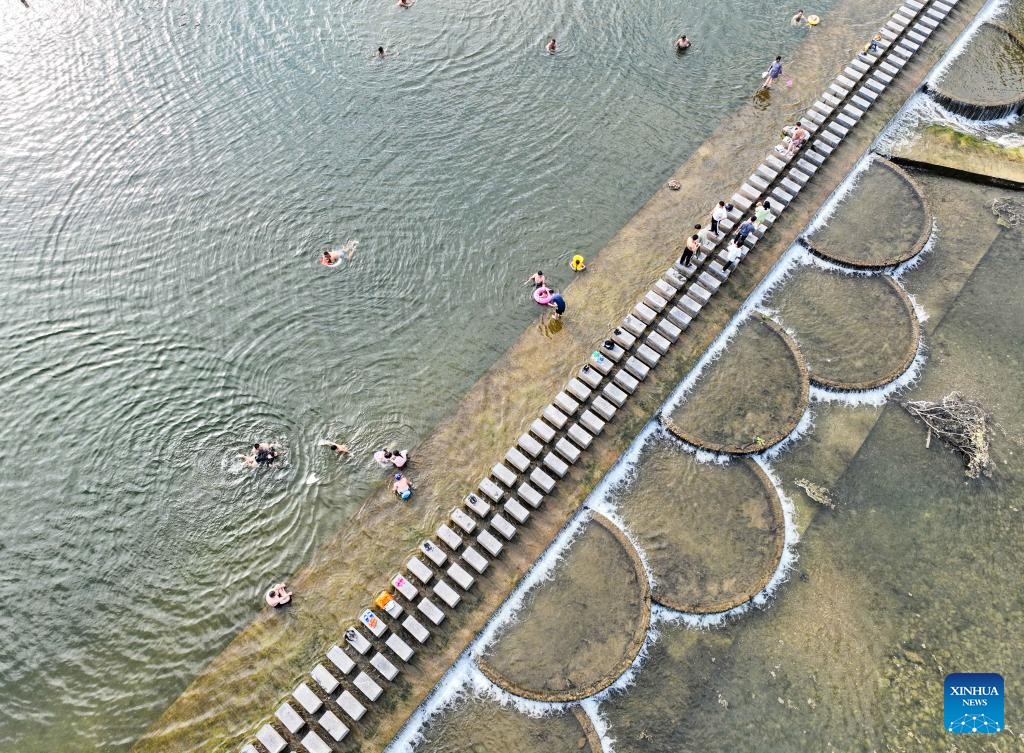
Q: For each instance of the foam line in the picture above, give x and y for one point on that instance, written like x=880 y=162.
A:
x=832 y=203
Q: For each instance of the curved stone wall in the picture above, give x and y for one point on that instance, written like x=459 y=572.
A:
x=748 y=400
x=987 y=80
x=884 y=221
x=580 y=630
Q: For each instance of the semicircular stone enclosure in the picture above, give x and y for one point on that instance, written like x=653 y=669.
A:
x=987 y=80
x=884 y=221
x=579 y=630
x=480 y=725
x=712 y=534
x=855 y=332
x=749 y=399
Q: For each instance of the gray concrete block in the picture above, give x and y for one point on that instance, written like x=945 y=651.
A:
x=367 y=686
x=566 y=404
x=517 y=459
x=491 y=489
x=353 y=708
x=603 y=408
x=289 y=717
x=567 y=450
x=414 y=628
x=503 y=526
x=690 y=306
x=542 y=480
x=556 y=465
x=381 y=663
x=451 y=539
x=529 y=495
x=645 y=314
x=505 y=475
x=530 y=445
x=665 y=290
x=637 y=368
x=430 y=610
x=648 y=355
x=271 y=739
x=343 y=661
x=626 y=381
x=654 y=301
x=658 y=342
x=313 y=743
x=698 y=293
x=592 y=377
x=555 y=417
x=668 y=330
x=577 y=389
x=519 y=513
x=488 y=541
x=591 y=422
x=599 y=362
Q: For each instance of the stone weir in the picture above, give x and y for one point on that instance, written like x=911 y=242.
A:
x=361 y=688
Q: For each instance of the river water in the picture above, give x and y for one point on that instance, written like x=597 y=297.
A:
x=170 y=171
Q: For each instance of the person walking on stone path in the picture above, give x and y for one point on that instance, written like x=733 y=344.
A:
x=718 y=214
x=733 y=252
x=745 y=229
x=692 y=246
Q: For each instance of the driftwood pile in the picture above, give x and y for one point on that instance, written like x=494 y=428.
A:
x=962 y=424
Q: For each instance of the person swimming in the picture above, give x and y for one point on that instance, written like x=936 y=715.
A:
x=682 y=44
x=340 y=449
x=577 y=263
x=537 y=280
x=330 y=258
x=380 y=53
x=402 y=487
x=552 y=46
x=797 y=19
x=262 y=453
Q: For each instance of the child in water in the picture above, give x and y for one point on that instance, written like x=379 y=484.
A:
x=577 y=265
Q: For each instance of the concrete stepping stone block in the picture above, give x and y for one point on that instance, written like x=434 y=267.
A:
x=475 y=560
x=830 y=137
x=566 y=404
x=623 y=338
x=529 y=495
x=614 y=395
x=603 y=408
x=725 y=226
x=637 y=368
x=807 y=167
x=592 y=377
x=767 y=172
x=741 y=201
x=449 y=537
x=790 y=186
x=340 y=659
x=477 y=505
x=626 y=381
x=674 y=277
x=679 y=317
x=653 y=300
x=542 y=431
x=357 y=640
x=333 y=726
x=665 y=290
x=392 y=607
x=248 y=749
x=516 y=510
x=503 y=473
x=718 y=270
x=464 y=522
x=669 y=331
x=502 y=526
x=648 y=355
x=415 y=628
x=324 y=678
x=774 y=163
x=580 y=437
x=910 y=46
x=822 y=148
x=896 y=25
x=567 y=450
x=846 y=82
x=612 y=350
x=577 y=389
x=658 y=342
x=367 y=686
x=433 y=552
x=917 y=37
x=531 y=445
x=846 y=121
x=599 y=363
x=751 y=192
x=387 y=670
x=313 y=743
x=417 y=568
x=554 y=417
x=309 y=700
x=555 y=464
x=836 y=128
x=271 y=739
x=430 y=610
x=882 y=76
x=401 y=649
x=862 y=103
x=592 y=423
x=489 y=542
x=814 y=116
x=814 y=157
x=446 y=593
x=888 y=68
x=888 y=35
x=685 y=271
x=690 y=306
x=490 y=489
x=541 y=479
x=463 y=579
x=373 y=623
x=799 y=176
x=517 y=460
x=645 y=314
x=758 y=182
x=708 y=282
x=838 y=89
x=353 y=708
x=859 y=65
x=634 y=325
x=699 y=294
x=289 y=717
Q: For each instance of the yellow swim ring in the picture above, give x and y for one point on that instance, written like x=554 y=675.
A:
x=813 y=20
x=577 y=264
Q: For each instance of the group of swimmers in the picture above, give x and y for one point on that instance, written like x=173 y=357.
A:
x=550 y=297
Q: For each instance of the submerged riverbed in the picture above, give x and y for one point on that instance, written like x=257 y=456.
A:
x=170 y=173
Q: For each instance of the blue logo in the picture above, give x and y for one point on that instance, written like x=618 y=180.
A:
x=973 y=703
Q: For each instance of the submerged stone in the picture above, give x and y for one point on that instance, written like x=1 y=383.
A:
x=580 y=629
x=882 y=222
x=855 y=332
x=712 y=535
x=751 y=398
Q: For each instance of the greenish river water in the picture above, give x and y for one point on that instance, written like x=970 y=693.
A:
x=168 y=175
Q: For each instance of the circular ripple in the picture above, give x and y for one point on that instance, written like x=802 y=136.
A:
x=712 y=534
x=883 y=222
x=483 y=726
x=751 y=398
x=579 y=630
x=855 y=332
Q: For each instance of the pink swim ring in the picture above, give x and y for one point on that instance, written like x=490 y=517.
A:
x=542 y=295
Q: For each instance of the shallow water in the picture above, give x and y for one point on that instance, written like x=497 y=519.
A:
x=748 y=399
x=710 y=533
x=579 y=629
x=171 y=172
x=880 y=222
x=853 y=330
x=989 y=72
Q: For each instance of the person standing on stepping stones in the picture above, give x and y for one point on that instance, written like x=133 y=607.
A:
x=703 y=234
x=762 y=211
x=692 y=246
x=745 y=229
x=718 y=214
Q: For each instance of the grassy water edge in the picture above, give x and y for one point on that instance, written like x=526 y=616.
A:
x=263 y=663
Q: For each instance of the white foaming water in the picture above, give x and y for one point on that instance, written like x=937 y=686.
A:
x=921 y=110
x=911 y=263
x=592 y=709
x=987 y=13
x=877 y=396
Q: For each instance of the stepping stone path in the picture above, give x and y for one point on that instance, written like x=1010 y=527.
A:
x=638 y=344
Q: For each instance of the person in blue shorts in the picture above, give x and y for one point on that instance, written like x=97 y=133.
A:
x=558 y=304
x=774 y=71
x=402 y=487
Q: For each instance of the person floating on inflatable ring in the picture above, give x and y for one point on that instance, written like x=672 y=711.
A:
x=278 y=595
x=542 y=295
x=577 y=264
